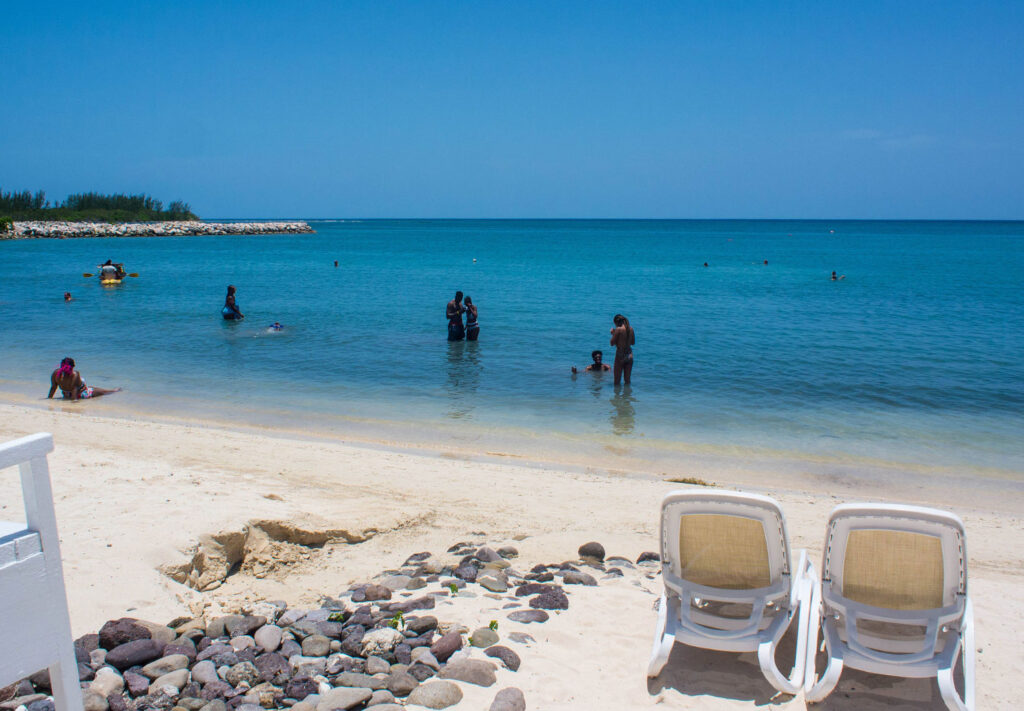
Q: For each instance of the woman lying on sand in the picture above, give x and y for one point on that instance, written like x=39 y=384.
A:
x=71 y=385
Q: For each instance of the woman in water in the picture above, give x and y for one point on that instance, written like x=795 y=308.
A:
x=472 y=327
x=71 y=385
x=623 y=339
x=230 y=310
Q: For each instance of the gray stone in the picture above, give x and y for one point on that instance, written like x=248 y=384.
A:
x=592 y=550
x=376 y=665
x=493 y=583
x=114 y=633
x=245 y=626
x=483 y=637
x=394 y=583
x=134 y=653
x=161 y=633
x=316 y=646
x=107 y=682
x=300 y=687
x=551 y=600
x=43 y=705
x=420 y=672
x=243 y=671
x=416 y=583
x=648 y=556
x=434 y=695
x=401 y=683
x=92 y=701
x=218 y=626
x=355 y=679
x=574 y=578
x=165 y=665
x=215 y=705
x=508 y=552
x=382 y=696
x=422 y=655
x=509 y=699
x=137 y=684
x=290 y=617
x=487 y=555
x=528 y=616
x=372 y=593
x=466 y=572
x=509 y=658
x=343 y=698
x=204 y=672
x=381 y=642
x=471 y=671
x=216 y=690
x=272 y=668
x=446 y=646
x=177 y=679
x=520 y=637
x=243 y=642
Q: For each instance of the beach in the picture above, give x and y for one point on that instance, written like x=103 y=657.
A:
x=134 y=495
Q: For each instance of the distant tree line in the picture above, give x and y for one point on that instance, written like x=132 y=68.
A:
x=90 y=207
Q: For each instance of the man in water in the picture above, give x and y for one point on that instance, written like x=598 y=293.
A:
x=67 y=296
x=597 y=366
x=835 y=278
x=108 y=271
x=456 y=330
x=276 y=326
x=71 y=384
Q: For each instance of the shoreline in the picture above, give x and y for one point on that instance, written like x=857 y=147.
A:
x=133 y=495
x=45 y=229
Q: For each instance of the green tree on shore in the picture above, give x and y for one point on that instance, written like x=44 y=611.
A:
x=91 y=207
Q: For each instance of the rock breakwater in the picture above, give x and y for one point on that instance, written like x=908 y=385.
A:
x=68 y=230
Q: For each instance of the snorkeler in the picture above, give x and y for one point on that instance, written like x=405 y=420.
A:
x=597 y=366
x=230 y=310
x=71 y=385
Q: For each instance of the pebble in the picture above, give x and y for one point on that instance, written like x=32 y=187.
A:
x=433 y=695
x=648 y=556
x=107 y=682
x=381 y=696
x=483 y=637
x=394 y=583
x=165 y=665
x=509 y=658
x=574 y=578
x=91 y=701
x=471 y=671
x=316 y=646
x=376 y=665
x=380 y=642
x=204 y=672
x=422 y=655
x=419 y=625
x=175 y=679
x=445 y=647
x=401 y=683
x=242 y=672
x=509 y=699
x=243 y=642
x=521 y=637
x=343 y=698
x=493 y=583
x=551 y=600
x=268 y=637
x=134 y=653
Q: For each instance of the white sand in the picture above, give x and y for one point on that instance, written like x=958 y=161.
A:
x=131 y=495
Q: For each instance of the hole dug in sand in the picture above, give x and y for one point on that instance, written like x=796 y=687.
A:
x=262 y=548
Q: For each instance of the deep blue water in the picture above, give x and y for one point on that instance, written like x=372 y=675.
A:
x=916 y=355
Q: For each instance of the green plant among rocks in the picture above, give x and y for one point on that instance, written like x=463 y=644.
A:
x=397 y=622
x=493 y=625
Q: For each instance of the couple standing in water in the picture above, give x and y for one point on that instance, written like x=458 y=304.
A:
x=623 y=338
x=458 y=331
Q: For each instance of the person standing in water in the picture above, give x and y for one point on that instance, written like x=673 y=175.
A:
x=472 y=326
x=623 y=339
x=456 y=330
x=230 y=310
x=71 y=384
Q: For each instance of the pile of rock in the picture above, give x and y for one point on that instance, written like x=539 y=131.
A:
x=375 y=646
x=64 y=230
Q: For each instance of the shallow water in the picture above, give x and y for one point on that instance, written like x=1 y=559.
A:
x=916 y=356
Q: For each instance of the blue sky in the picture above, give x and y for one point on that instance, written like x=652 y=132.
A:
x=522 y=109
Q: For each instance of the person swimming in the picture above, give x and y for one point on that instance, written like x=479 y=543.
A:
x=230 y=311
x=597 y=366
x=71 y=384
x=276 y=326
x=472 y=326
x=67 y=296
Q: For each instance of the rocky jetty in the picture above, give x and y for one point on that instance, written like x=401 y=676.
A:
x=66 y=230
x=377 y=645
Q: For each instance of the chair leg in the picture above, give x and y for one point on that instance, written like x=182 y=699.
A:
x=67 y=694
x=766 y=650
x=947 y=685
x=663 y=641
x=833 y=670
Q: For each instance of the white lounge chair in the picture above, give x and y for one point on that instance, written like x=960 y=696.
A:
x=893 y=599
x=36 y=626
x=730 y=582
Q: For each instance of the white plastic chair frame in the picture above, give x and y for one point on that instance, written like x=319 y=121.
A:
x=949 y=630
x=36 y=625
x=773 y=607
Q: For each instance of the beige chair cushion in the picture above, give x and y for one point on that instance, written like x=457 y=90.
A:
x=723 y=551
x=897 y=570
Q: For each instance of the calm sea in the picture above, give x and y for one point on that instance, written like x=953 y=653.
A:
x=916 y=356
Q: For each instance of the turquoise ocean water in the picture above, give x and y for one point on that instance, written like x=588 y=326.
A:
x=916 y=356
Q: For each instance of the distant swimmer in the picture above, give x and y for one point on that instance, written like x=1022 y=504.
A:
x=71 y=385
x=623 y=338
x=335 y=263
x=766 y=262
x=705 y=264
x=230 y=310
x=472 y=325
x=835 y=278
x=67 y=296
x=597 y=366
x=276 y=326
x=453 y=312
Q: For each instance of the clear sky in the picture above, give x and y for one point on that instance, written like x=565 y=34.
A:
x=522 y=109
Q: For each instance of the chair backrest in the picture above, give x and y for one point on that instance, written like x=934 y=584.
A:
x=896 y=557
x=727 y=540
